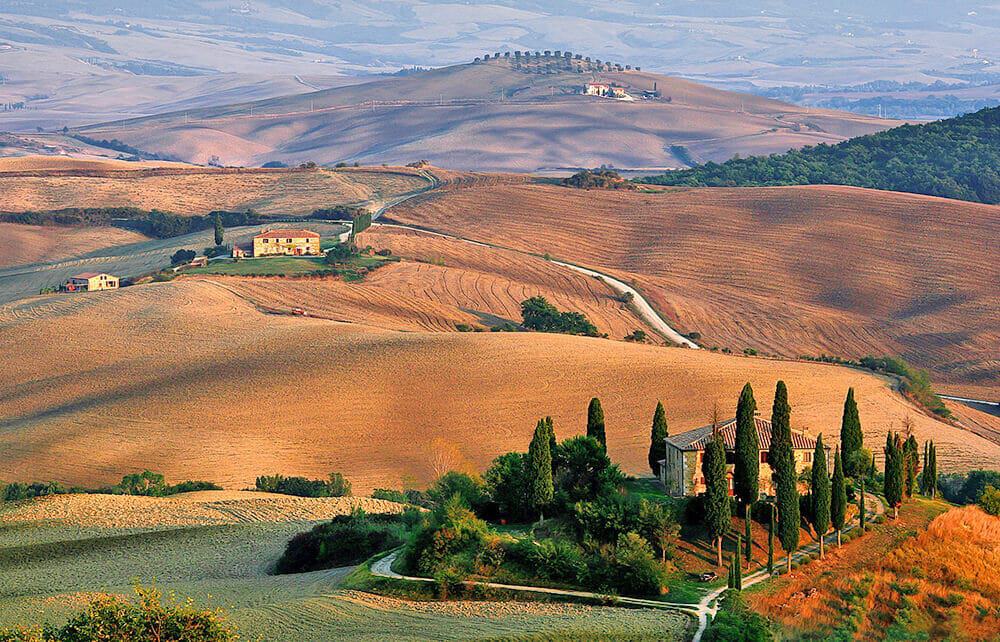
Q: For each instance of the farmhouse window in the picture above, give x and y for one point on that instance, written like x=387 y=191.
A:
x=288 y=241
x=807 y=456
x=763 y=456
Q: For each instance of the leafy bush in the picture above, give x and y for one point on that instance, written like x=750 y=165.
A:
x=606 y=519
x=335 y=486
x=554 y=559
x=989 y=501
x=471 y=490
x=345 y=540
x=507 y=486
x=182 y=256
x=452 y=537
x=540 y=315
x=915 y=381
x=735 y=622
x=598 y=179
x=966 y=489
x=113 y=618
x=17 y=491
x=583 y=471
x=632 y=568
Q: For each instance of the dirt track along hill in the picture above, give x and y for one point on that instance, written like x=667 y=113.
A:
x=791 y=271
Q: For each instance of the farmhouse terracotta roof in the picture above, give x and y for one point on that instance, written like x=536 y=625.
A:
x=287 y=234
x=698 y=438
x=86 y=275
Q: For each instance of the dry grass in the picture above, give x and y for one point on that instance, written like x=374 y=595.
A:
x=187 y=379
x=905 y=580
x=200 y=508
x=790 y=271
x=34 y=162
x=21 y=244
x=201 y=190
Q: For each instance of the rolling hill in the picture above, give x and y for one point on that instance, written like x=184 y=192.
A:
x=21 y=244
x=500 y=114
x=789 y=271
x=190 y=380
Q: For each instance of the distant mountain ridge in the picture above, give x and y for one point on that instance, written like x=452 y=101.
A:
x=954 y=158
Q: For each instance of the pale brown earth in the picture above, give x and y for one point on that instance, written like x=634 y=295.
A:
x=39 y=162
x=443 y=283
x=199 y=190
x=455 y=117
x=791 y=271
x=187 y=379
x=199 y=508
x=21 y=244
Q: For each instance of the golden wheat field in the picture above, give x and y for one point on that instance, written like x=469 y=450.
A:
x=21 y=244
x=443 y=283
x=199 y=190
x=791 y=271
x=188 y=379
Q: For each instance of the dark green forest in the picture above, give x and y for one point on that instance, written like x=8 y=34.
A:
x=955 y=158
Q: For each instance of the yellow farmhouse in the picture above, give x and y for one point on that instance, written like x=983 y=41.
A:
x=286 y=242
x=681 y=474
x=91 y=282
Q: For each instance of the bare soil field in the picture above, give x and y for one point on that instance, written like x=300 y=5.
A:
x=443 y=283
x=199 y=190
x=42 y=163
x=455 y=117
x=192 y=381
x=790 y=271
x=22 y=244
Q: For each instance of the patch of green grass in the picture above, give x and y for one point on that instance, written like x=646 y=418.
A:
x=273 y=265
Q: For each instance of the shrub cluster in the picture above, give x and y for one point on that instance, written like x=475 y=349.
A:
x=598 y=179
x=146 y=483
x=968 y=488
x=345 y=540
x=540 y=315
x=336 y=485
x=736 y=622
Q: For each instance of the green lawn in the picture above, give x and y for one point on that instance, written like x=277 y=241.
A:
x=290 y=266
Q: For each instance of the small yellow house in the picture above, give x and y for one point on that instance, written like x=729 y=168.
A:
x=286 y=242
x=91 y=282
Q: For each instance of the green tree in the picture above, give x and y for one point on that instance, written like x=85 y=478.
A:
x=218 y=229
x=851 y=438
x=553 y=444
x=540 y=465
x=861 y=506
x=659 y=526
x=782 y=461
x=746 y=471
x=911 y=464
x=989 y=501
x=717 y=515
x=657 y=439
x=893 y=485
x=738 y=564
x=770 y=538
x=595 y=422
x=507 y=484
x=838 y=496
x=749 y=535
x=821 y=500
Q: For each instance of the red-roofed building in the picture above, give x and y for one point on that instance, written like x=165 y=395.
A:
x=286 y=242
x=681 y=474
x=91 y=282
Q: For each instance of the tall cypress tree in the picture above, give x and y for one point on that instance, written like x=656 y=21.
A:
x=861 y=506
x=820 y=494
x=782 y=462
x=893 y=487
x=770 y=539
x=746 y=472
x=851 y=438
x=749 y=536
x=838 y=496
x=934 y=470
x=540 y=465
x=911 y=464
x=713 y=468
x=218 y=229
x=738 y=565
x=926 y=470
x=595 y=422
x=657 y=439
x=551 y=429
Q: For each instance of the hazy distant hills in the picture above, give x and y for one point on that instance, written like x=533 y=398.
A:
x=74 y=61
x=493 y=116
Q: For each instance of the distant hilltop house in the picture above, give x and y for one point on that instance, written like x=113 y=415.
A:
x=681 y=473
x=286 y=242
x=606 y=91
x=91 y=282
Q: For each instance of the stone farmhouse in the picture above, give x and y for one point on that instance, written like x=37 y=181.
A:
x=286 y=242
x=681 y=474
x=91 y=282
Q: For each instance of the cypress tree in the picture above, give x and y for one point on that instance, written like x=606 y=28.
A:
x=934 y=470
x=782 y=462
x=770 y=540
x=540 y=465
x=820 y=494
x=893 y=487
x=851 y=438
x=738 y=565
x=657 y=437
x=550 y=428
x=713 y=468
x=218 y=229
x=911 y=464
x=746 y=472
x=749 y=536
x=861 y=506
x=925 y=472
x=838 y=496
x=595 y=422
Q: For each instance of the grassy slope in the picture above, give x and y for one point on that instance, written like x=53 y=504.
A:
x=190 y=380
x=23 y=244
x=792 y=271
x=544 y=122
